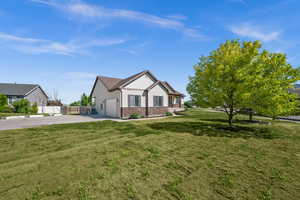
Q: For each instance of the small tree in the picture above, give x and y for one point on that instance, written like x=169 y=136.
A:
x=3 y=100
x=85 y=100
x=238 y=75
x=34 y=108
x=22 y=106
x=220 y=78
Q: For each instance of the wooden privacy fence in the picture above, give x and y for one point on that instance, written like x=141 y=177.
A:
x=76 y=110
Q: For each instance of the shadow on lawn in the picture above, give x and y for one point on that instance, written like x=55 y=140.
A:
x=216 y=130
x=236 y=121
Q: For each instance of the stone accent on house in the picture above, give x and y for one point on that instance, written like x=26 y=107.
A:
x=127 y=111
x=157 y=111
x=152 y=111
x=176 y=105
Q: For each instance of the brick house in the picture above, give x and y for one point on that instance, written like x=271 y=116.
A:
x=141 y=93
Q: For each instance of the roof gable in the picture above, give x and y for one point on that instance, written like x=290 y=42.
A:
x=116 y=83
x=142 y=82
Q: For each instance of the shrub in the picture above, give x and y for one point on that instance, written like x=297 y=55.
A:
x=6 y=109
x=135 y=116
x=188 y=104
x=34 y=108
x=3 y=100
x=22 y=106
x=169 y=114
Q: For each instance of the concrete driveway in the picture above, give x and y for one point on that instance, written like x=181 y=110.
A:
x=34 y=122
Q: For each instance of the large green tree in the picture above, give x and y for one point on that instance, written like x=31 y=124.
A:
x=269 y=82
x=239 y=75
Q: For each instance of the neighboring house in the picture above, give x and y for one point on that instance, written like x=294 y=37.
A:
x=33 y=93
x=296 y=90
x=141 y=93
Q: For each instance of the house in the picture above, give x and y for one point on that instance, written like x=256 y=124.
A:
x=141 y=93
x=33 y=93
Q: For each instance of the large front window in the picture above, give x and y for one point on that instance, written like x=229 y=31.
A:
x=134 y=100
x=158 y=101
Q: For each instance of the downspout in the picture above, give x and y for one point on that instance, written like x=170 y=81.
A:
x=147 y=103
x=121 y=103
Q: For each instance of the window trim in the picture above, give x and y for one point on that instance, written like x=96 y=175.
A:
x=139 y=100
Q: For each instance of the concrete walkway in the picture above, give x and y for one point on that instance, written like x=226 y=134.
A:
x=64 y=119
x=34 y=122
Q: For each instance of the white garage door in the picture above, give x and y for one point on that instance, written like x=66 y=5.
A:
x=111 y=107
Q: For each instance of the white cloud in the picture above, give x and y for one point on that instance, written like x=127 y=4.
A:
x=8 y=37
x=85 y=10
x=39 y=46
x=177 y=17
x=255 y=32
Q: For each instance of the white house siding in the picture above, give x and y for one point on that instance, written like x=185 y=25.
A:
x=37 y=96
x=101 y=94
x=158 y=91
x=141 y=83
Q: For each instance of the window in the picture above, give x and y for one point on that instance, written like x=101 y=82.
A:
x=93 y=101
x=101 y=106
x=177 y=100
x=134 y=100
x=158 y=101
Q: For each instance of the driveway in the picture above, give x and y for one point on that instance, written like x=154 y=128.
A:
x=34 y=122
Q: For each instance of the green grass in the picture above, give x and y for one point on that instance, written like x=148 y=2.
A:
x=195 y=156
x=12 y=114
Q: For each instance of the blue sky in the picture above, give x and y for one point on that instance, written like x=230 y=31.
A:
x=63 y=44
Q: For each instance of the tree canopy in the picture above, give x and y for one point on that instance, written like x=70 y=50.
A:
x=240 y=75
x=84 y=101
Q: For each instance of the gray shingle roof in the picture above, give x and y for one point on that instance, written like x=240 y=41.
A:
x=109 y=82
x=12 y=89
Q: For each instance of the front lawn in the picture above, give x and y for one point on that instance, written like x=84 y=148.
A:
x=189 y=157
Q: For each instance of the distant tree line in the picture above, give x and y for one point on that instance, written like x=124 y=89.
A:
x=84 y=101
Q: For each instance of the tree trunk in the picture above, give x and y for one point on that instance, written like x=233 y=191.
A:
x=250 y=115
x=230 y=117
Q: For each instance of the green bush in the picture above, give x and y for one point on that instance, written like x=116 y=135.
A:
x=135 y=116
x=22 y=106
x=188 y=104
x=6 y=109
x=3 y=100
x=34 y=108
x=169 y=114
